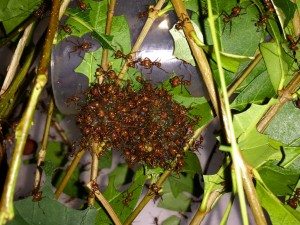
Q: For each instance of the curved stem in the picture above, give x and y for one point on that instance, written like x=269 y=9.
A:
x=95 y=189
x=69 y=173
x=94 y=175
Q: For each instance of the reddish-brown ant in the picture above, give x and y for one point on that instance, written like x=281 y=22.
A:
x=148 y=64
x=294 y=200
x=269 y=6
x=84 y=46
x=176 y=81
x=73 y=98
x=41 y=10
x=145 y=13
x=119 y=54
x=134 y=62
x=127 y=199
x=155 y=189
x=66 y=28
x=37 y=196
x=180 y=24
x=82 y=5
x=235 y=12
x=262 y=20
x=94 y=186
x=292 y=43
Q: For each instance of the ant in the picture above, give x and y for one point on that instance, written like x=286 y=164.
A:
x=66 y=28
x=180 y=24
x=127 y=199
x=82 y=5
x=235 y=12
x=148 y=64
x=145 y=13
x=37 y=196
x=119 y=54
x=41 y=10
x=84 y=46
x=292 y=43
x=156 y=189
x=175 y=81
x=262 y=20
x=269 y=6
x=73 y=98
x=294 y=200
x=94 y=186
x=134 y=62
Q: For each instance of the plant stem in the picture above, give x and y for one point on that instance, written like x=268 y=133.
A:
x=8 y=98
x=69 y=173
x=202 y=62
x=239 y=80
x=242 y=176
x=43 y=150
x=284 y=96
x=94 y=175
x=16 y=57
x=104 y=202
x=104 y=59
x=152 y=16
x=7 y=212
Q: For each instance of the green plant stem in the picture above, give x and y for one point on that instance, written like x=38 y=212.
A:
x=7 y=212
x=152 y=16
x=227 y=211
x=239 y=80
x=9 y=97
x=105 y=204
x=69 y=173
x=63 y=8
x=15 y=61
x=284 y=96
x=242 y=175
x=104 y=59
x=43 y=150
x=94 y=175
x=202 y=62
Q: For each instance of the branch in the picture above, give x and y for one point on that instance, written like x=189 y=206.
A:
x=7 y=212
x=152 y=16
x=284 y=96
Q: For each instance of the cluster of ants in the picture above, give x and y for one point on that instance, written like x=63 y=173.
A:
x=146 y=125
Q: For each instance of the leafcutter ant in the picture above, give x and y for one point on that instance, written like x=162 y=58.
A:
x=82 y=5
x=180 y=24
x=145 y=13
x=148 y=64
x=79 y=47
x=235 y=12
x=294 y=200
x=262 y=20
x=179 y=80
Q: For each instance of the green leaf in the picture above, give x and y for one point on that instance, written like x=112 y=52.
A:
x=14 y=12
x=244 y=123
x=276 y=61
x=172 y=220
x=192 y=164
x=257 y=91
x=278 y=179
x=49 y=211
x=181 y=183
x=181 y=203
x=255 y=146
x=285 y=11
x=285 y=126
x=278 y=212
x=291 y=154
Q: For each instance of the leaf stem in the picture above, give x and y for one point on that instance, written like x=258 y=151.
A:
x=239 y=79
x=94 y=175
x=43 y=150
x=284 y=96
x=104 y=59
x=104 y=202
x=152 y=16
x=7 y=212
x=69 y=173
x=242 y=175
x=202 y=62
x=16 y=57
